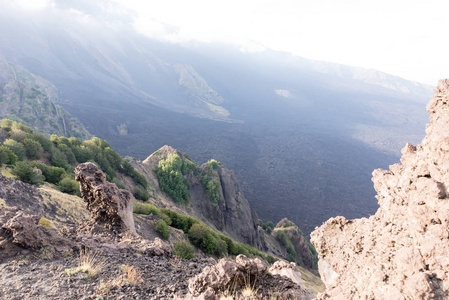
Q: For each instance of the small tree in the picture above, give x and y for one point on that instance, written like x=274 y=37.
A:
x=33 y=149
x=16 y=147
x=27 y=174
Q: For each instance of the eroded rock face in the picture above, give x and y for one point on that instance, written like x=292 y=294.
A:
x=232 y=214
x=20 y=231
x=303 y=255
x=402 y=252
x=226 y=275
x=109 y=206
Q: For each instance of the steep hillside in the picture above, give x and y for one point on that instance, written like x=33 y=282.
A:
x=214 y=195
x=302 y=136
x=31 y=100
x=401 y=252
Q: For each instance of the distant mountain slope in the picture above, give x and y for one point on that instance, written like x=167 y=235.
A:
x=302 y=136
x=29 y=99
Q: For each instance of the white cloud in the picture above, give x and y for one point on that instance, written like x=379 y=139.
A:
x=405 y=38
x=33 y=4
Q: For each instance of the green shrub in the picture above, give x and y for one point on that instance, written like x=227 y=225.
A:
x=69 y=186
x=17 y=135
x=197 y=233
x=46 y=144
x=58 y=159
x=179 y=221
x=209 y=244
x=7 y=156
x=166 y=219
x=145 y=209
x=240 y=249
x=140 y=193
x=170 y=178
x=16 y=147
x=118 y=183
x=268 y=226
x=6 y=124
x=270 y=259
x=184 y=250
x=27 y=174
x=188 y=167
x=162 y=228
x=51 y=174
x=33 y=149
x=222 y=248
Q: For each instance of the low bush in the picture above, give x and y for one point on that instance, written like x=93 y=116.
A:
x=145 y=209
x=184 y=250
x=27 y=174
x=163 y=229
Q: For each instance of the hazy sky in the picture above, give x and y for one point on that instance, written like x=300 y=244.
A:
x=404 y=38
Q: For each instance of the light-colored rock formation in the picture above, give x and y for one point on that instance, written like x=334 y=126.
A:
x=401 y=252
x=233 y=276
x=108 y=205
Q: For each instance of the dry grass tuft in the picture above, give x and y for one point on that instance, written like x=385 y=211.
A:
x=131 y=274
x=89 y=263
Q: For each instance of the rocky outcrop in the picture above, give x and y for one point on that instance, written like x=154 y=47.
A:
x=109 y=206
x=401 y=252
x=244 y=273
x=20 y=231
x=303 y=255
x=283 y=268
x=231 y=214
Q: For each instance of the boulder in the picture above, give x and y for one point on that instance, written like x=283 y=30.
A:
x=20 y=231
x=109 y=206
x=401 y=252
x=229 y=276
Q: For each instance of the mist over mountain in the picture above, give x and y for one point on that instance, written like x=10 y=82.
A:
x=302 y=136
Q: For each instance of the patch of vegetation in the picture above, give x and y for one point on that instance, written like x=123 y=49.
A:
x=58 y=156
x=45 y=222
x=267 y=226
x=184 y=250
x=171 y=181
x=145 y=209
x=211 y=181
x=26 y=173
x=283 y=238
x=162 y=228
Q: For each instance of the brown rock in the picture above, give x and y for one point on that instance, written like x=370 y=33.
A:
x=109 y=206
x=24 y=231
x=401 y=252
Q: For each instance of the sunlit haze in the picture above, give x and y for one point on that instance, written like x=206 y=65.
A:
x=404 y=38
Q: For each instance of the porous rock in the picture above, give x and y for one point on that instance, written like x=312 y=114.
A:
x=401 y=252
x=283 y=268
x=20 y=231
x=228 y=275
x=109 y=206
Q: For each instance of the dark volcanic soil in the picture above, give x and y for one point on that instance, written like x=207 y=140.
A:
x=32 y=277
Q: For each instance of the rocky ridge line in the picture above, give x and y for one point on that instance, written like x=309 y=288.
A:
x=401 y=252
